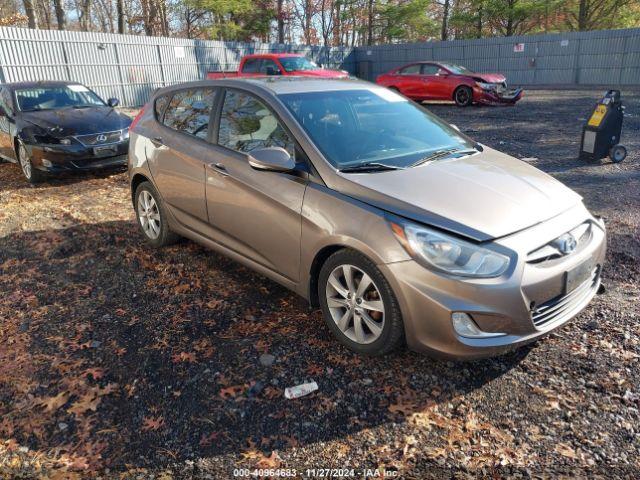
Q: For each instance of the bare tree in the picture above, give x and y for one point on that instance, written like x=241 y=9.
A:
x=280 y=13
x=61 y=17
x=31 y=12
x=120 y=15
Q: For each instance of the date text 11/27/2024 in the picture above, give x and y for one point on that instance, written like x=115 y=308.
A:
x=315 y=473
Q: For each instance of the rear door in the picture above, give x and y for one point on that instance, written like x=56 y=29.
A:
x=257 y=211
x=180 y=149
x=409 y=80
x=431 y=87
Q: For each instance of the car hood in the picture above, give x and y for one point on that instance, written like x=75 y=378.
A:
x=490 y=77
x=78 y=121
x=482 y=196
x=321 y=73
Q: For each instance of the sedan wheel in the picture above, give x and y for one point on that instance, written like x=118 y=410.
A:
x=149 y=214
x=358 y=304
x=463 y=96
x=355 y=304
x=31 y=174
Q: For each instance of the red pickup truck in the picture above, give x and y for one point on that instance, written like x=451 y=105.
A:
x=259 y=65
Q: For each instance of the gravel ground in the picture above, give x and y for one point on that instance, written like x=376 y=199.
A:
x=120 y=361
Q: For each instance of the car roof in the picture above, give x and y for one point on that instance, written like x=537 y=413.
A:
x=39 y=84
x=273 y=55
x=284 y=84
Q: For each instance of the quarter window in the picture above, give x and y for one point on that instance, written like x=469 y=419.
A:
x=246 y=124
x=159 y=106
x=189 y=111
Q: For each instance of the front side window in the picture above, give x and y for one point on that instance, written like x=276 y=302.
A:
x=430 y=69
x=54 y=98
x=353 y=127
x=292 y=64
x=189 y=111
x=246 y=124
x=269 y=67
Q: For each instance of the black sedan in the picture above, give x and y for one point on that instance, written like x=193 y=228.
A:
x=52 y=127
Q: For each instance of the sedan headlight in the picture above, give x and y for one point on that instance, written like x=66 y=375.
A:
x=486 y=86
x=449 y=254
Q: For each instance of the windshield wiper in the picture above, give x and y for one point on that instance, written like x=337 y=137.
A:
x=443 y=153
x=369 y=167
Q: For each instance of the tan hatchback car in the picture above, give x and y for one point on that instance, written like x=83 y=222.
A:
x=399 y=227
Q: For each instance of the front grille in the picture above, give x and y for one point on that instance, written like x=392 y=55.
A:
x=551 y=251
x=558 y=307
x=105 y=138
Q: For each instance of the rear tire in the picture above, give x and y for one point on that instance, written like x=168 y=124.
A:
x=365 y=317
x=152 y=216
x=463 y=96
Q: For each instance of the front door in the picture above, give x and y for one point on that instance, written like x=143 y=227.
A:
x=257 y=211
x=7 y=125
x=180 y=149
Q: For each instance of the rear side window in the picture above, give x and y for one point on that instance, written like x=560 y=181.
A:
x=410 y=70
x=246 y=124
x=251 y=65
x=189 y=111
x=159 y=106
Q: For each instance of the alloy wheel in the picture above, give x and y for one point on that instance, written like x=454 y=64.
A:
x=25 y=162
x=149 y=214
x=355 y=304
x=462 y=96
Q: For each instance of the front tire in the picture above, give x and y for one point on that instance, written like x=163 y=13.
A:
x=24 y=160
x=463 y=96
x=152 y=216
x=358 y=304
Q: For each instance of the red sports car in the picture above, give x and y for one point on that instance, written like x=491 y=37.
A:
x=444 y=81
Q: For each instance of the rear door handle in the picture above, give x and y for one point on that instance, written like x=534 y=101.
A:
x=157 y=141
x=220 y=168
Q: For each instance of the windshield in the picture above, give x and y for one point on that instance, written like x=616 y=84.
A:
x=457 y=69
x=354 y=127
x=53 y=98
x=291 y=64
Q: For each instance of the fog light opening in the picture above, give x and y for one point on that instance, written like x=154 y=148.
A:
x=464 y=326
x=47 y=163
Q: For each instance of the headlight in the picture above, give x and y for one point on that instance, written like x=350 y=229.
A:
x=486 y=86
x=125 y=133
x=449 y=254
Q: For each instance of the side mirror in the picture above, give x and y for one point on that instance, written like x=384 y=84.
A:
x=113 y=102
x=274 y=159
x=3 y=112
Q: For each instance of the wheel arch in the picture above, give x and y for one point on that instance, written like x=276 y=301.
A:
x=137 y=179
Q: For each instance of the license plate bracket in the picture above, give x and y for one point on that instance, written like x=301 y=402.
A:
x=105 y=151
x=577 y=276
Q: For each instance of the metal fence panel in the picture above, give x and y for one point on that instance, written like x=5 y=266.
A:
x=130 y=67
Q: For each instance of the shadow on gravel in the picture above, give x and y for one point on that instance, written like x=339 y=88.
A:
x=18 y=182
x=115 y=354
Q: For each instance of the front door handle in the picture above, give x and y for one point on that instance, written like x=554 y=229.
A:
x=157 y=141
x=220 y=168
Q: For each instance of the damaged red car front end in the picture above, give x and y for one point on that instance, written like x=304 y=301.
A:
x=491 y=89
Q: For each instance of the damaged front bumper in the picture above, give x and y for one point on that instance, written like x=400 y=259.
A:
x=61 y=158
x=497 y=97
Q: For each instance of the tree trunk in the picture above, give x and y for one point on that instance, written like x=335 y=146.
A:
x=32 y=14
x=582 y=15
x=120 y=15
x=479 y=20
x=445 y=21
x=85 y=12
x=370 y=24
x=61 y=18
x=280 y=22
